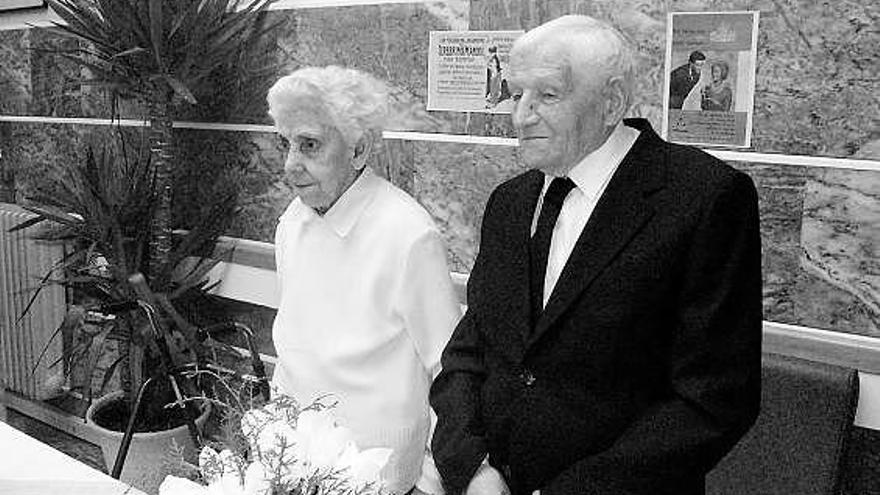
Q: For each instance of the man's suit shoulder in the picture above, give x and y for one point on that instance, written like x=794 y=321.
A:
x=689 y=166
x=518 y=184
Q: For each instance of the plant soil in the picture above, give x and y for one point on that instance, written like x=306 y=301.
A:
x=115 y=415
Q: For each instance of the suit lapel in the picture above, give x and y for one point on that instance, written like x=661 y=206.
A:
x=621 y=213
x=514 y=295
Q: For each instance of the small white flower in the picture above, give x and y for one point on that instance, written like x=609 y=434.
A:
x=287 y=447
x=209 y=464
x=253 y=422
x=214 y=465
x=226 y=485
x=277 y=440
x=321 y=440
x=257 y=480
x=363 y=466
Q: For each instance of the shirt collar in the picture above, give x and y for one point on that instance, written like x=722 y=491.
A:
x=346 y=211
x=592 y=173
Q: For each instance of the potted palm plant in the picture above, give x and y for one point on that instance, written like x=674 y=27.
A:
x=156 y=52
x=101 y=207
x=115 y=207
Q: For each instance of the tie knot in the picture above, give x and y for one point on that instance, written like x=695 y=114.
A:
x=558 y=190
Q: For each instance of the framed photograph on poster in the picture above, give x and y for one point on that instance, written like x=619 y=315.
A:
x=710 y=78
x=20 y=4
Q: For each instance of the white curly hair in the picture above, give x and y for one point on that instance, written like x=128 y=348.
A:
x=356 y=102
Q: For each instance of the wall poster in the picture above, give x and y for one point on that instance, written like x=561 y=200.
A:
x=467 y=71
x=710 y=78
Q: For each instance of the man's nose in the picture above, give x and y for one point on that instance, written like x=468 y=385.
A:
x=293 y=162
x=524 y=111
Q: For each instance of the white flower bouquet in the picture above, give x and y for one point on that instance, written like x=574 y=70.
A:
x=290 y=451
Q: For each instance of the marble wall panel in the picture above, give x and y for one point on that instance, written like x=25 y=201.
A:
x=840 y=251
x=31 y=153
x=820 y=231
x=264 y=196
x=389 y=41
x=818 y=71
x=453 y=182
x=56 y=83
x=15 y=73
x=781 y=199
x=209 y=163
x=15 y=87
x=817 y=61
x=36 y=80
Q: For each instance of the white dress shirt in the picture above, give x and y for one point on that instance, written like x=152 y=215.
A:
x=590 y=176
x=367 y=307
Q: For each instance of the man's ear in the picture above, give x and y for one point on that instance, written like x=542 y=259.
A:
x=616 y=101
x=361 y=151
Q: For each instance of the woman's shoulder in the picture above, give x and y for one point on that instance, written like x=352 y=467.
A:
x=397 y=209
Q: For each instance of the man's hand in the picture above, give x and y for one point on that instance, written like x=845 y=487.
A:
x=487 y=481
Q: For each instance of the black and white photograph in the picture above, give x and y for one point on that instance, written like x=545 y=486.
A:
x=439 y=247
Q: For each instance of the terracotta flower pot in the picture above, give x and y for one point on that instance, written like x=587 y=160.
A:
x=143 y=468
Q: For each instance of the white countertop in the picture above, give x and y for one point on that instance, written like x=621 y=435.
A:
x=30 y=467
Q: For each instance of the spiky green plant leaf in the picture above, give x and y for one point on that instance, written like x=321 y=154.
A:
x=136 y=45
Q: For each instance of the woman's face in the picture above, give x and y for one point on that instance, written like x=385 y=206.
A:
x=319 y=166
x=716 y=73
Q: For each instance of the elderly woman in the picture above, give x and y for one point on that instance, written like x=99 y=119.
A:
x=367 y=304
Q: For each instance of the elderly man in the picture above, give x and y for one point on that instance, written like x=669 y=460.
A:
x=612 y=339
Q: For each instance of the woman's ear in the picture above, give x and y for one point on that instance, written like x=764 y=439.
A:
x=361 y=151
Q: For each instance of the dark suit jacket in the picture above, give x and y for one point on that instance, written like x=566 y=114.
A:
x=680 y=84
x=644 y=368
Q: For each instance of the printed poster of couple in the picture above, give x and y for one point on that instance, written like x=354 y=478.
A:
x=710 y=77
x=703 y=80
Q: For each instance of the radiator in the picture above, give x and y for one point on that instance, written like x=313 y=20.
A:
x=23 y=262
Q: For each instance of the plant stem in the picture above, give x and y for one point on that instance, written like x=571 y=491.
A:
x=161 y=149
x=125 y=367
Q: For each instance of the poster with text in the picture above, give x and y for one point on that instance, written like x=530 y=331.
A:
x=467 y=71
x=710 y=78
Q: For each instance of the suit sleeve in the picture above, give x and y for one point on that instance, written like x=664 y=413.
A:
x=459 y=443
x=714 y=363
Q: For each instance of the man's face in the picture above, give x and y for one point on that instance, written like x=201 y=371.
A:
x=559 y=115
x=697 y=66
x=318 y=167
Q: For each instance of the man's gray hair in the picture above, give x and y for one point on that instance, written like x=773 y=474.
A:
x=608 y=51
x=356 y=102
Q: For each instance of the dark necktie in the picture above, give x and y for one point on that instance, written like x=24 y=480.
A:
x=539 y=246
